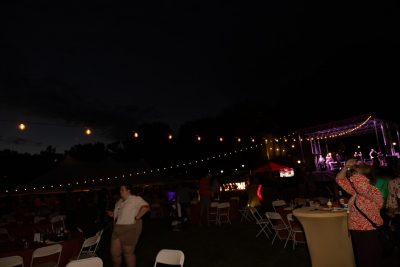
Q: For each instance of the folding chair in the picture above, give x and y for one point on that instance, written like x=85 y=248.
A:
x=12 y=261
x=89 y=262
x=278 y=225
x=263 y=223
x=88 y=248
x=223 y=213
x=213 y=213
x=276 y=204
x=47 y=251
x=170 y=256
x=245 y=214
x=295 y=230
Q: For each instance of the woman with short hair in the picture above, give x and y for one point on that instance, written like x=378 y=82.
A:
x=127 y=216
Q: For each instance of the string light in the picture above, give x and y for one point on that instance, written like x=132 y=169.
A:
x=340 y=133
x=88 y=131
x=22 y=126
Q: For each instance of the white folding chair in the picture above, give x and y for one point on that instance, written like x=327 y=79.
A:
x=223 y=212
x=295 y=230
x=278 y=225
x=170 y=256
x=47 y=251
x=12 y=261
x=278 y=204
x=89 y=262
x=89 y=247
x=245 y=214
x=213 y=213
x=260 y=221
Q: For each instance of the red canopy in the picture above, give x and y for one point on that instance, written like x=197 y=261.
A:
x=272 y=166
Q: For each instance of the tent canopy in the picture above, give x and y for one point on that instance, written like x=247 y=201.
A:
x=272 y=166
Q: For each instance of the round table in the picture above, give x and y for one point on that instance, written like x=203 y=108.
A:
x=327 y=236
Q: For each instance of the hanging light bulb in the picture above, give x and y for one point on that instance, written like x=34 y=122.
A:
x=22 y=126
x=136 y=134
x=170 y=136
x=221 y=139
x=88 y=131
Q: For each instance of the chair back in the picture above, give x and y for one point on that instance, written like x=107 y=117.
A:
x=47 y=251
x=89 y=262
x=223 y=212
x=256 y=215
x=274 y=216
x=170 y=256
x=223 y=206
x=89 y=247
x=11 y=261
x=278 y=203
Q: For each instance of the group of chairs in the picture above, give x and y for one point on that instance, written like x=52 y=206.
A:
x=88 y=250
x=219 y=213
x=87 y=256
x=274 y=224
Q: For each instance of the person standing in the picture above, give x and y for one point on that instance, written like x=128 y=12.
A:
x=128 y=213
x=184 y=196
x=205 y=196
x=365 y=201
x=321 y=163
x=393 y=204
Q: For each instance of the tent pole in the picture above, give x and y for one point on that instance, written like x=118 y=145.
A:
x=301 y=148
x=398 y=137
x=376 y=135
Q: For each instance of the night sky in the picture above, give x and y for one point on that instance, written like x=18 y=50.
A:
x=107 y=66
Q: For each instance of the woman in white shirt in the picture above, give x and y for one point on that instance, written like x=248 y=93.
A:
x=127 y=216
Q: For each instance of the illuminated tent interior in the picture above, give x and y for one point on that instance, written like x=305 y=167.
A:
x=284 y=171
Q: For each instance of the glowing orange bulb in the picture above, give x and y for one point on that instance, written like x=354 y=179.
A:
x=21 y=126
x=88 y=131
x=198 y=138
x=136 y=134
x=221 y=139
x=170 y=136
